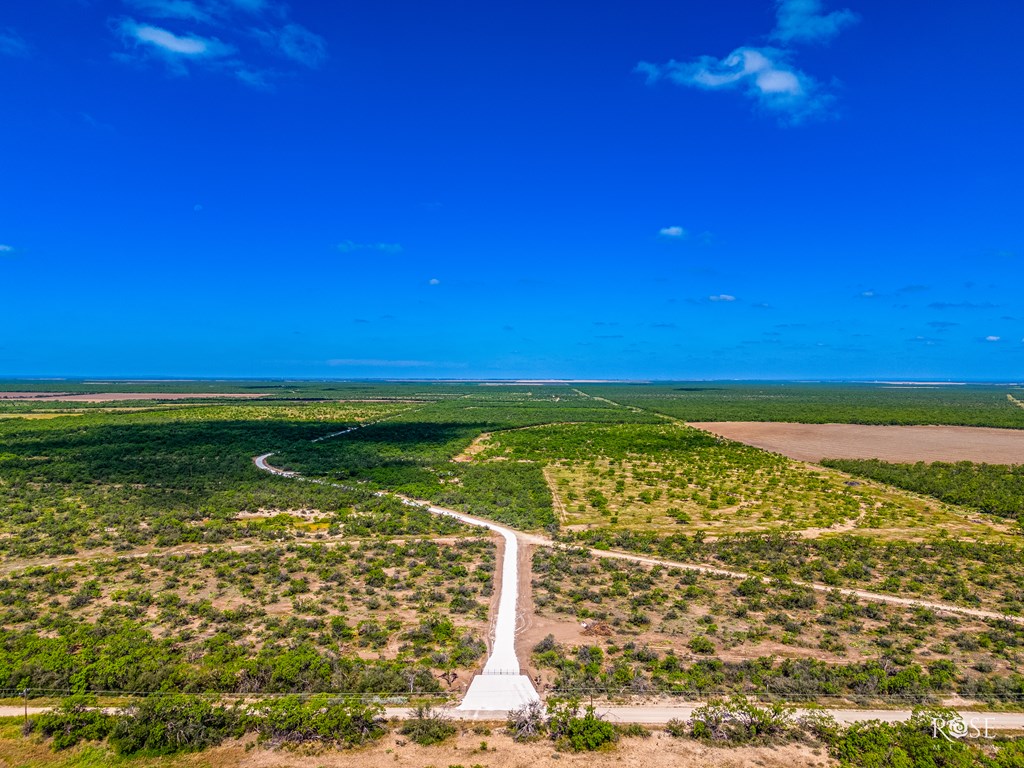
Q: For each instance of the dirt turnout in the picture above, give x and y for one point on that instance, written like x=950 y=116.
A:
x=813 y=442
x=107 y=397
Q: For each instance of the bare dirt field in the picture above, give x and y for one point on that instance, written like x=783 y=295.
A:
x=814 y=442
x=106 y=397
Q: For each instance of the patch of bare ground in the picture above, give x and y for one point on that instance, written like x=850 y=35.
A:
x=31 y=415
x=106 y=397
x=533 y=626
x=814 y=442
x=303 y=514
x=660 y=751
x=477 y=446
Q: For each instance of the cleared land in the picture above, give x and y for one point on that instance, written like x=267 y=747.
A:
x=814 y=442
x=464 y=749
x=107 y=397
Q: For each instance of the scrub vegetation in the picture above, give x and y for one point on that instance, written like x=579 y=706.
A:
x=145 y=562
x=992 y=488
x=656 y=630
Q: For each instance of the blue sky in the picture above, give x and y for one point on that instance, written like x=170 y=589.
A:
x=698 y=188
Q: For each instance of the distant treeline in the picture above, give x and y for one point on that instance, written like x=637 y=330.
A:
x=973 y=405
x=994 y=488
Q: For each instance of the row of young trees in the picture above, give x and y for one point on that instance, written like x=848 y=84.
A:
x=993 y=488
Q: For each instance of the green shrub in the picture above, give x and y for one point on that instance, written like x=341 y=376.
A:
x=579 y=733
x=633 y=731
x=701 y=644
x=676 y=727
x=76 y=719
x=741 y=722
x=427 y=726
x=340 y=722
x=164 y=725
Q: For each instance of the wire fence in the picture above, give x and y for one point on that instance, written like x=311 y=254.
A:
x=399 y=699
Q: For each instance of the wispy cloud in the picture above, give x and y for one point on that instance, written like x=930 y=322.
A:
x=295 y=42
x=244 y=32
x=803 y=21
x=766 y=74
x=4 y=249
x=348 y=246
x=433 y=281
x=169 y=44
x=722 y=297
x=991 y=338
x=672 y=233
x=13 y=44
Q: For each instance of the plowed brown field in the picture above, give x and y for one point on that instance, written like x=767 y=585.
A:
x=813 y=442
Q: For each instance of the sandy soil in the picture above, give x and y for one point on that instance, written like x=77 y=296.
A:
x=532 y=627
x=656 y=752
x=814 y=442
x=108 y=397
x=477 y=446
x=659 y=751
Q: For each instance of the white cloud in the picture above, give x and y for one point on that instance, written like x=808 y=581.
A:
x=433 y=281
x=766 y=74
x=6 y=248
x=171 y=45
x=802 y=21
x=348 y=246
x=991 y=338
x=868 y=294
x=762 y=74
x=12 y=44
x=673 y=232
x=722 y=297
x=156 y=33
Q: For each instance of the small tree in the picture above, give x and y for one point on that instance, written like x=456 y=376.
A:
x=579 y=732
